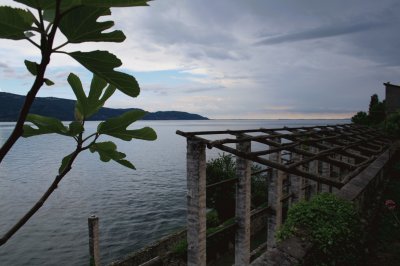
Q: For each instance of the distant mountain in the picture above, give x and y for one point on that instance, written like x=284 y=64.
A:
x=63 y=109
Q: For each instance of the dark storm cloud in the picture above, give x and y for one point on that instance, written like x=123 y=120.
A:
x=318 y=33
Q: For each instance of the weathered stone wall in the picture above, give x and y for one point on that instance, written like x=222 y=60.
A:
x=362 y=190
x=149 y=252
x=159 y=252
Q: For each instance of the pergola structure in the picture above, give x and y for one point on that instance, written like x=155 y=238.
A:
x=303 y=161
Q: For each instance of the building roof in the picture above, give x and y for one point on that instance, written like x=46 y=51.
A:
x=389 y=84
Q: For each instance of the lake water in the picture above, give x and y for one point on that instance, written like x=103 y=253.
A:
x=135 y=207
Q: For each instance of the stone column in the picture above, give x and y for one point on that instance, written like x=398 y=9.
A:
x=243 y=204
x=295 y=181
x=196 y=203
x=326 y=172
x=94 y=242
x=274 y=195
x=313 y=169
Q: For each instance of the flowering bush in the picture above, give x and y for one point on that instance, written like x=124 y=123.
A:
x=391 y=206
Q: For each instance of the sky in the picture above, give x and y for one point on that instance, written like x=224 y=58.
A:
x=238 y=59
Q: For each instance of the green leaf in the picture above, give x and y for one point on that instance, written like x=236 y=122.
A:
x=29 y=34
x=49 y=4
x=45 y=125
x=48 y=82
x=95 y=101
x=32 y=67
x=81 y=25
x=14 y=22
x=75 y=128
x=116 y=127
x=115 y=3
x=96 y=88
x=102 y=64
x=87 y=106
x=81 y=102
x=108 y=151
x=145 y=133
x=65 y=161
x=126 y=163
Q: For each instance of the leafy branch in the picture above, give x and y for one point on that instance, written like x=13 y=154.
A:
x=78 y=21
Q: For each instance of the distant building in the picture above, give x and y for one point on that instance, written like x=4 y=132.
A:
x=392 y=97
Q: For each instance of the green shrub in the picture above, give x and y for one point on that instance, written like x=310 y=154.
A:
x=330 y=224
x=259 y=188
x=180 y=248
x=392 y=125
x=222 y=197
x=212 y=219
x=361 y=118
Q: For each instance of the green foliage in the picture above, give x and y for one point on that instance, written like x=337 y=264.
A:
x=79 y=21
x=46 y=4
x=392 y=124
x=102 y=64
x=222 y=197
x=108 y=151
x=373 y=102
x=87 y=106
x=45 y=125
x=116 y=127
x=259 y=188
x=14 y=22
x=330 y=224
x=89 y=29
x=180 y=248
x=386 y=241
x=19 y=24
x=64 y=163
x=66 y=16
x=32 y=67
x=377 y=113
x=212 y=219
x=84 y=108
x=361 y=118
x=375 y=116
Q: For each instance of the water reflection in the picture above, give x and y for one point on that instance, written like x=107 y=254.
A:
x=135 y=207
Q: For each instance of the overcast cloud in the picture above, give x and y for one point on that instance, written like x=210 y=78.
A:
x=243 y=59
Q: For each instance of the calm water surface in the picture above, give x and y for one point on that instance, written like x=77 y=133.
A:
x=135 y=207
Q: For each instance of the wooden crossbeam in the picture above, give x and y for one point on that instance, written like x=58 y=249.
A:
x=361 y=143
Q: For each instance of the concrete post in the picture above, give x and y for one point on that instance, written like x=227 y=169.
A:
x=243 y=204
x=94 y=250
x=196 y=203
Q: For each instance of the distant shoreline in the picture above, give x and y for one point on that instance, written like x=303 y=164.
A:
x=63 y=109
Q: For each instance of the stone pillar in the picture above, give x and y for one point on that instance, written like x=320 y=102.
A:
x=295 y=181
x=196 y=203
x=326 y=172
x=313 y=169
x=344 y=172
x=274 y=195
x=94 y=242
x=243 y=204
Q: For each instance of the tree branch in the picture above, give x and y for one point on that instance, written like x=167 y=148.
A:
x=32 y=42
x=46 y=48
x=42 y=200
